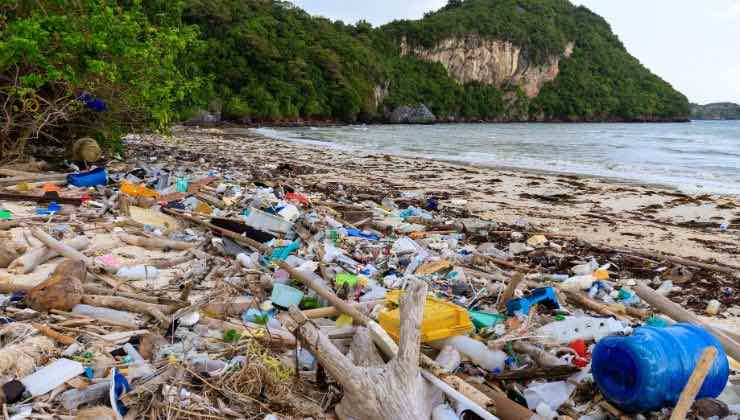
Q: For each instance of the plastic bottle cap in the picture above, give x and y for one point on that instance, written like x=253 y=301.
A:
x=50 y=187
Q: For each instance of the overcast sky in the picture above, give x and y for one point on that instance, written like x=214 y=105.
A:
x=693 y=44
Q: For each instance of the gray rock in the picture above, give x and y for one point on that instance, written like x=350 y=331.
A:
x=419 y=114
x=203 y=116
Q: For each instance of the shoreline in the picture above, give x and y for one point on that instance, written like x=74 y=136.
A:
x=250 y=132
x=597 y=210
x=331 y=123
x=497 y=167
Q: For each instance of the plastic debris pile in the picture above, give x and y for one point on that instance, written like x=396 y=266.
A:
x=171 y=288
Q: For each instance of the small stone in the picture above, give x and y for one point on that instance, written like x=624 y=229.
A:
x=418 y=114
x=12 y=392
x=710 y=407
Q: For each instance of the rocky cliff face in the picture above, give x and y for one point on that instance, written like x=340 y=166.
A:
x=491 y=62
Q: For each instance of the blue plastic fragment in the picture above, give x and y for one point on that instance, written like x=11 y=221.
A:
x=93 y=103
x=52 y=209
x=360 y=234
x=282 y=253
x=406 y=213
x=256 y=316
x=432 y=204
x=540 y=296
x=98 y=176
x=119 y=387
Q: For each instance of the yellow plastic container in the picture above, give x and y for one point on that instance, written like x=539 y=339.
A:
x=601 y=274
x=441 y=319
x=134 y=190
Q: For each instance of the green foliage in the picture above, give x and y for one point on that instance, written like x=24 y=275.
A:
x=153 y=62
x=53 y=51
x=716 y=111
x=273 y=61
x=416 y=81
x=534 y=25
x=601 y=81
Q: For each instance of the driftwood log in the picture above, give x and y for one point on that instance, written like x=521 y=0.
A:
x=394 y=391
x=242 y=240
x=9 y=224
x=157 y=311
x=588 y=303
x=61 y=248
x=34 y=257
x=7 y=254
x=69 y=252
x=156 y=243
x=691 y=390
x=451 y=384
x=330 y=311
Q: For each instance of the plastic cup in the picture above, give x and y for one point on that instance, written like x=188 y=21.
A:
x=181 y=185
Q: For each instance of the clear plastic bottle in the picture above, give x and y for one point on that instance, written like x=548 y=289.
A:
x=74 y=398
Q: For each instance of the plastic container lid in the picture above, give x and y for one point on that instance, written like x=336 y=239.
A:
x=485 y=319
x=441 y=319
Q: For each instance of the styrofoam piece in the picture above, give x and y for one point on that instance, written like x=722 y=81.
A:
x=51 y=376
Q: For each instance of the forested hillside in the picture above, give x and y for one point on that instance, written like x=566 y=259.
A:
x=716 y=111
x=271 y=60
x=155 y=62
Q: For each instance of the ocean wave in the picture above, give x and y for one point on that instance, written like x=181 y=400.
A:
x=701 y=152
x=694 y=157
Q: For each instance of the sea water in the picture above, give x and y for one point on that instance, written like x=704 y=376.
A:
x=700 y=156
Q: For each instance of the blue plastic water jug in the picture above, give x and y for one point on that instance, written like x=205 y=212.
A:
x=647 y=370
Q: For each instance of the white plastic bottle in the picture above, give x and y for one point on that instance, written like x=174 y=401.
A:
x=478 y=352
x=586 y=328
x=138 y=272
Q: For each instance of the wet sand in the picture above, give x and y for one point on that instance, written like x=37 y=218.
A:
x=603 y=211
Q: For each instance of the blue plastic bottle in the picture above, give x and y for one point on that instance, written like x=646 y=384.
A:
x=647 y=370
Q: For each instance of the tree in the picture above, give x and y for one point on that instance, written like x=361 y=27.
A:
x=91 y=67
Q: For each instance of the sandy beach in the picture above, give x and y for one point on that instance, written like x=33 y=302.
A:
x=601 y=211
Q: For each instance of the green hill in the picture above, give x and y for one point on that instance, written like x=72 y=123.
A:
x=105 y=67
x=716 y=111
x=273 y=61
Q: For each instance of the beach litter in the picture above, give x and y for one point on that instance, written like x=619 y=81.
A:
x=183 y=288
